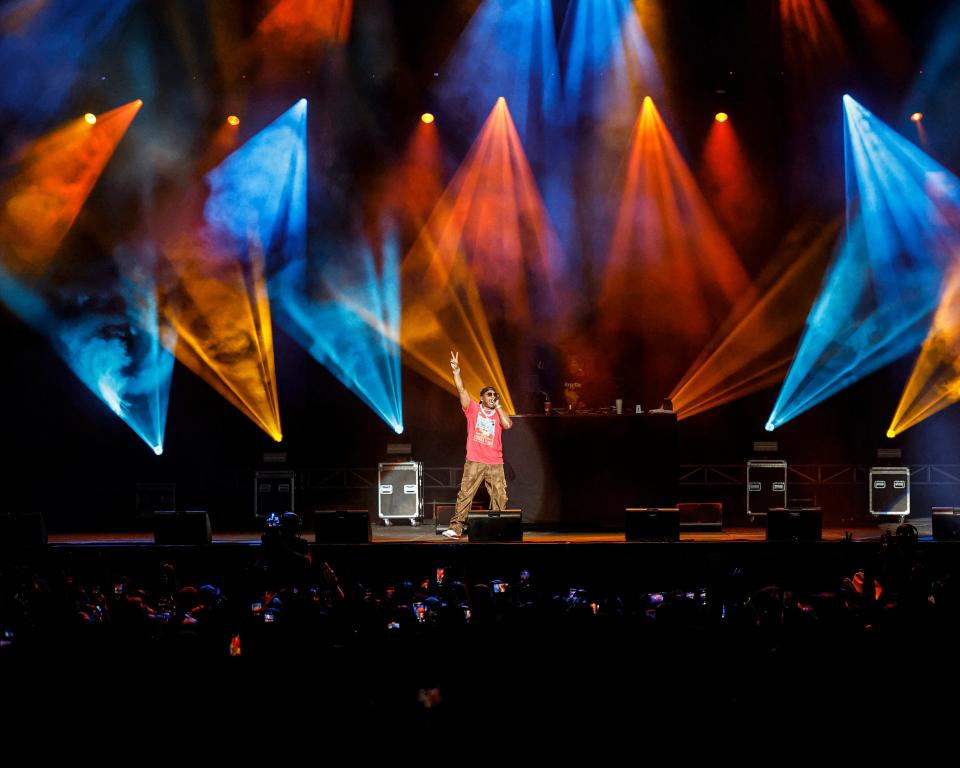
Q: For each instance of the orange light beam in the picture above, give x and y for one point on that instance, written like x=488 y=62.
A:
x=215 y=292
x=56 y=175
x=303 y=24
x=224 y=334
x=886 y=39
x=471 y=261
x=411 y=190
x=729 y=182
x=754 y=347
x=812 y=40
x=671 y=275
x=934 y=383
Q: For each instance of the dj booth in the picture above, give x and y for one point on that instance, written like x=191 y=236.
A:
x=581 y=470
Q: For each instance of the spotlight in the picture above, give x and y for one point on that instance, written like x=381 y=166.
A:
x=158 y=449
x=721 y=117
x=426 y=117
x=916 y=117
x=398 y=429
x=90 y=118
x=891 y=433
x=233 y=120
x=769 y=426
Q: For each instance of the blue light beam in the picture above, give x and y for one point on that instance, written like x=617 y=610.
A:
x=119 y=357
x=44 y=47
x=508 y=49
x=878 y=298
x=609 y=64
x=111 y=341
x=354 y=329
x=258 y=194
x=216 y=295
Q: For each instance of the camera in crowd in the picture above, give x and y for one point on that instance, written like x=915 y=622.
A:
x=287 y=525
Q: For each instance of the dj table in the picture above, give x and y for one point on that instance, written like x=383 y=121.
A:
x=584 y=470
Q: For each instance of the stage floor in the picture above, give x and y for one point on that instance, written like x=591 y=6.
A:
x=425 y=534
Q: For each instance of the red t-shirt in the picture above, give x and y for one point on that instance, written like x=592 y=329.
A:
x=483 y=434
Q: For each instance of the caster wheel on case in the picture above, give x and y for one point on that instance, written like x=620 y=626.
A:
x=387 y=522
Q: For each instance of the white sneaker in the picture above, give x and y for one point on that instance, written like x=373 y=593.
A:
x=450 y=534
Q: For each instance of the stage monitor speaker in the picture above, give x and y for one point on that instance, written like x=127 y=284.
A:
x=495 y=525
x=341 y=526
x=443 y=514
x=24 y=529
x=795 y=524
x=652 y=524
x=946 y=523
x=191 y=527
x=701 y=516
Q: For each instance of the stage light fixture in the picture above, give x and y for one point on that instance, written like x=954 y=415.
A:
x=90 y=118
x=891 y=433
x=233 y=120
x=722 y=117
x=916 y=117
x=427 y=118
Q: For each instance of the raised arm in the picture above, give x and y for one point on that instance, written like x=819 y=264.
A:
x=455 y=366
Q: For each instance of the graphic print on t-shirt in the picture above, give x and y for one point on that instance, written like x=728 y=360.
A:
x=484 y=430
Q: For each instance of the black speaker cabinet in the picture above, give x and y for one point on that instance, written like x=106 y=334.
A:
x=494 y=525
x=662 y=524
x=192 y=527
x=341 y=526
x=701 y=516
x=24 y=529
x=443 y=514
x=795 y=524
x=946 y=523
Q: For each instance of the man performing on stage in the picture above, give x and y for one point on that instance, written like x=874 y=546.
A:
x=485 y=422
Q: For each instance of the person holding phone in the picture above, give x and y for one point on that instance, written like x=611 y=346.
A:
x=486 y=421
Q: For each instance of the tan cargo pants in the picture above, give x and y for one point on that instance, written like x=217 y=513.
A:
x=475 y=473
